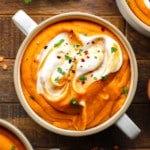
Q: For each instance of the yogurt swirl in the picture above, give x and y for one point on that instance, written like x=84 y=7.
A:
x=76 y=61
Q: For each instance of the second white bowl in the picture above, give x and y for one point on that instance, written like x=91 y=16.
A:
x=131 y=18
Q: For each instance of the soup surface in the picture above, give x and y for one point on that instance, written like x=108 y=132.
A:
x=8 y=141
x=141 y=8
x=75 y=74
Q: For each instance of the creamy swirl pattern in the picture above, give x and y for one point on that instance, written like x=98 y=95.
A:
x=65 y=62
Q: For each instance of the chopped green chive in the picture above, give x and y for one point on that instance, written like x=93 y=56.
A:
x=80 y=50
x=71 y=68
x=13 y=147
x=104 y=77
x=85 y=34
x=95 y=57
x=67 y=57
x=77 y=45
x=56 y=79
x=124 y=90
x=113 y=49
x=74 y=102
x=32 y=97
x=59 y=43
x=95 y=78
x=61 y=71
x=27 y=1
x=82 y=78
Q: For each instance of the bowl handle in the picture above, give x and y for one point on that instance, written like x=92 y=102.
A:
x=24 y=22
x=128 y=126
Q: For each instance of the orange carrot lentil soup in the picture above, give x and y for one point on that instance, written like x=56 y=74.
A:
x=75 y=74
x=141 y=8
x=8 y=141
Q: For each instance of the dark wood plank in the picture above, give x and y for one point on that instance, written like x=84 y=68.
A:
x=102 y=7
x=40 y=137
x=10 y=38
x=143 y=76
x=139 y=43
x=7 y=92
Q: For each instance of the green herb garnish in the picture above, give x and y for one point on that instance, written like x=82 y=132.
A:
x=82 y=78
x=95 y=57
x=67 y=57
x=77 y=45
x=61 y=71
x=73 y=101
x=85 y=34
x=13 y=147
x=113 y=49
x=95 y=78
x=104 y=77
x=56 y=79
x=80 y=50
x=71 y=68
x=27 y=1
x=59 y=43
x=124 y=90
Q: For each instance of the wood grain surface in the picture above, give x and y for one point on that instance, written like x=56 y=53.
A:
x=10 y=107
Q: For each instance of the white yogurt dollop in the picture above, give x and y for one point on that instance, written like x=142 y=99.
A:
x=63 y=63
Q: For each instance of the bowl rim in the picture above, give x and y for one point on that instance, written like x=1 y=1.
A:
x=64 y=17
x=17 y=132
x=132 y=19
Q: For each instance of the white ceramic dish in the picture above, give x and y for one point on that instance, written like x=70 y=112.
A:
x=130 y=17
x=17 y=132
x=30 y=28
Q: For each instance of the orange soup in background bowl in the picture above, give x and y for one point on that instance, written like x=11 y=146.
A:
x=141 y=9
x=75 y=74
x=12 y=138
x=137 y=14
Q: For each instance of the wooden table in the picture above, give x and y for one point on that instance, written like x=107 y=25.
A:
x=10 y=108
